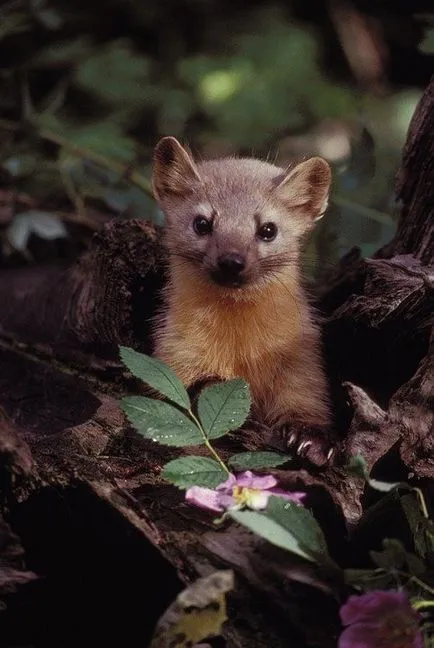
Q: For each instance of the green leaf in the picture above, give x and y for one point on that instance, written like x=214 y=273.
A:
x=421 y=527
x=394 y=556
x=224 y=407
x=368 y=579
x=270 y=530
x=357 y=467
x=161 y=422
x=301 y=523
x=382 y=486
x=157 y=375
x=44 y=224
x=391 y=557
x=427 y=44
x=252 y=460
x=415 y=565
x=288 y=526
x=194 y=471
x=117 y=74
x=104 y=138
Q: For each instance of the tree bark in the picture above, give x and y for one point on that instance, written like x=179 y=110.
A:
x=64 y=444
x=415 y=187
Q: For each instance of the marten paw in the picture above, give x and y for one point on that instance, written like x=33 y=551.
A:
x=316 y=444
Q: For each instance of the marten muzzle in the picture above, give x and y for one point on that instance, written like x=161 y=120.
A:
x=229 y=270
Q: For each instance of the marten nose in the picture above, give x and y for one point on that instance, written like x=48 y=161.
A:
x=231 y=265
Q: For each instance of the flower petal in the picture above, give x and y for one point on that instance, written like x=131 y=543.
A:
x=256 y=499
x=418 y=641
x=373 y=605
x=369 y=635
x=227 y=485
x=361 y=635
x=261 y=482
x=204 y=498
x=293 y=496
x=225 y=501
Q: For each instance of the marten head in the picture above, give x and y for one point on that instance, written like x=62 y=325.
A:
x=240 y=221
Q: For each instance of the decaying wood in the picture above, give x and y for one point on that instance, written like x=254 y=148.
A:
x=64 y=436
x=415 y=187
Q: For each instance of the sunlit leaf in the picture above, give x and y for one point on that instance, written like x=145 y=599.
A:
x=41 y=223
x=194 y=471
x=18 y=233
x=223 y=407
x=288 y=526
x=301 y=523
x=161 y=422
x=252 y=460
x=156 y=374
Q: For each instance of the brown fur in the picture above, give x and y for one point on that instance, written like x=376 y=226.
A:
x=262 y=331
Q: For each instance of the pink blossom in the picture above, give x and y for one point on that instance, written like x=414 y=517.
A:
x=245 y=489
x=380 y=619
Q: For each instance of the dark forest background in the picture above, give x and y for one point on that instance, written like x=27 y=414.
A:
x=87 y=88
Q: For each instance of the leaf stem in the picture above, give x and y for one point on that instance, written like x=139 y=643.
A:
x=422 y=604
x=424 y=510
x=207 y=443
x=421 y=584
x=422 y=502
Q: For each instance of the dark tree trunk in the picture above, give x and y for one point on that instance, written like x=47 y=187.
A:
x=83 y=492
x=415 y=187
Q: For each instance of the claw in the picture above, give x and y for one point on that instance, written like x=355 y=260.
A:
x=292 y=439
x=304 y=445
x=330 y=454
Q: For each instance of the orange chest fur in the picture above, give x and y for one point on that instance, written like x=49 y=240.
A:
x=205 y=335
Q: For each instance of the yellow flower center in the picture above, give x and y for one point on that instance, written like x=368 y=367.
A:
x=243 y=495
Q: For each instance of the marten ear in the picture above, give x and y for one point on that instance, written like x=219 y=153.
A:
x=307 y=186
x=174 y=169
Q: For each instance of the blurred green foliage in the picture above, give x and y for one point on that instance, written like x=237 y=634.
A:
x=86 y=90
x=271 y=83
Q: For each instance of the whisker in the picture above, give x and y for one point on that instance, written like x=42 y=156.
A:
x=191 y=256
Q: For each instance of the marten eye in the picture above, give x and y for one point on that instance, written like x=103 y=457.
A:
x=267 y=232
x=202 y=226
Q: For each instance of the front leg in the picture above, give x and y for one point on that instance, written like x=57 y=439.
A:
x=300 y=409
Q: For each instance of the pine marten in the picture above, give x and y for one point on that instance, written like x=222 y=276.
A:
x=234 y=303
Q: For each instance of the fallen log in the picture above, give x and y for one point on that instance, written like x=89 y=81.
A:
x=100 y=527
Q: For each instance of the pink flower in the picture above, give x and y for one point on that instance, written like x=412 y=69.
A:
x=380 y=620
x=245 y=489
